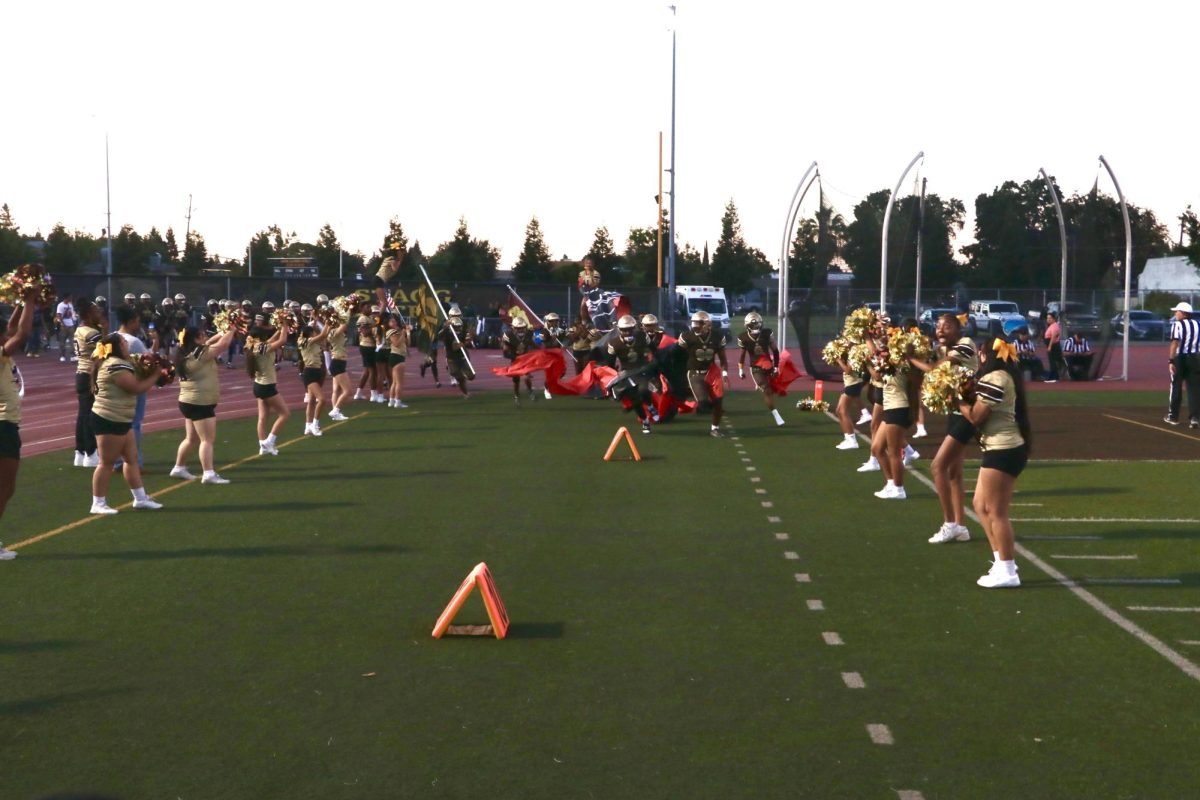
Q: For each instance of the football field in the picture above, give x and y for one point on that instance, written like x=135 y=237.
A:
x=727 y=618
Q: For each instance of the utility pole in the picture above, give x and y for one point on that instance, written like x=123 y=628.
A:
x=187 y=237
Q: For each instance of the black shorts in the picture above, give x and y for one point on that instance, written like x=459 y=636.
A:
x=83 y=383
x=196 y=413
x=379 y=283
x=106 y=427
x=314 y=375
x=368 y=355
x=1011 y=461
x=10 y=440
x=959 y=429
x=852 y=390
x=396 y=358
x=337 y=366
x=897 y=416
x=875 y=394
x=265 y=391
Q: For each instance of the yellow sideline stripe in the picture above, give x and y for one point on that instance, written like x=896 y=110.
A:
x=1154 y=427
x=70 y=526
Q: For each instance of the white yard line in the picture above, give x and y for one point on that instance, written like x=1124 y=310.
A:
x=1096 y=558
x=802 y=577
x=816 y=605
x=791 y=555
x=1131 y=581
x=832 y=639
x=1027 y=538
x=783 y=537
x=1185 y=665
x=1152 y=520
x=853 y=680
x=880 y=734
x=1167 y=609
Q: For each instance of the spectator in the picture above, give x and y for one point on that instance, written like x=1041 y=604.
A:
x=64 y=327
x=1027 y=358
x=1053 y=339
x=33 y=345
x=1078 y=354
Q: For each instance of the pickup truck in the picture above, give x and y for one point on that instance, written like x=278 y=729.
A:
x=994 y=318
x=1072 y=316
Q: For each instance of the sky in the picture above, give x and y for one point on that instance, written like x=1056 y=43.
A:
x=352 y=113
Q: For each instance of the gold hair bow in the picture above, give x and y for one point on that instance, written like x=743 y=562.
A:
x=962 y=318
x=1003 y=350
x=102 y=351
x=180 y=337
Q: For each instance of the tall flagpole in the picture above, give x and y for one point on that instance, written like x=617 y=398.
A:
x=446 y=317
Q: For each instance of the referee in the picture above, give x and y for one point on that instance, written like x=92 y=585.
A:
x=1184 y=365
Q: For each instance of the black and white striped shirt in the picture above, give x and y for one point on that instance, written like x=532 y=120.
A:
x=1026 y=350
x=1187 y=331
x=1081 y=347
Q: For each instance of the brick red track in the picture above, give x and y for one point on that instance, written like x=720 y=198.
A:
x=49 y=408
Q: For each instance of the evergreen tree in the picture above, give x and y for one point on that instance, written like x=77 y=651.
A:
x=68 y=252
x=603 y=252
x=534 y=264
x=328 y=252
x=195 y=255
x=394 y=236
x=735 y=264
x=464 y=258
x=172 y=253
x=13 y=250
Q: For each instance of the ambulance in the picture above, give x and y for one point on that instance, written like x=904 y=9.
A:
x=690 y=299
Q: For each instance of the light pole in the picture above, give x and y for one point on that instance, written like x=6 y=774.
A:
x=802 y=188
x=671 y=221
x=1062 y=241
x=1128 y=273
x=887 y=216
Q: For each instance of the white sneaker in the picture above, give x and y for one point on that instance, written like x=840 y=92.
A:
x=921 y=432
x=864 y=417
x=870 y=465
x=91 y=461
x=265 y=449
x=910 y=455
x=102 y=508
x=214 y=479
x=401 y=404
x=79 y=457
x=337 y=416
x=315 y=430
x=381 y=398
x=848 y=444
x=998 y=578
x=546 y=392
x=358 y=394
x=182 y=473
x=149 y=503
x=454 y=382
x=892 y=493
x=778 y=418
x=62 y=358
x=7 y=555
x=949 y=532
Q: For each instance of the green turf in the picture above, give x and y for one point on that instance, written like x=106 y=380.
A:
x=1115 y=397
x=661 y=646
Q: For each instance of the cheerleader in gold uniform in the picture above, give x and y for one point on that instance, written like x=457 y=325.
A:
x=999 y=411
x=86 y=336
x=397 y=340
x=383 y=352
x=199 y=392
x=366 y=350
x=387 y=270
x=262 y=349
x=12 y=337
x=117 y=388
x=337 y=370
x=312 y=356
x=947 y=465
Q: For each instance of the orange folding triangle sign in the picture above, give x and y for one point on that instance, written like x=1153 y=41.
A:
x=480 y=576
x=612 y=448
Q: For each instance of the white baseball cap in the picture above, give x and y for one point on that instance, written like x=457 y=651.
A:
x=1184 y=307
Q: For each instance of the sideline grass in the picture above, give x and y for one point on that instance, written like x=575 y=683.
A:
x=660 y=645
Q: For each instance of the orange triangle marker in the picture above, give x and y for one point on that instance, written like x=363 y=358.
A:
x=480 y=576
x=612 y=448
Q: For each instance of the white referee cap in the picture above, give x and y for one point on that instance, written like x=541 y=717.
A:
x=1184 y=307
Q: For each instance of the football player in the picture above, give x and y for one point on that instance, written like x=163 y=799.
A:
x=702 y=344
x=758 y=342
x=455 y=341
x=515 y=342
x=636 y=358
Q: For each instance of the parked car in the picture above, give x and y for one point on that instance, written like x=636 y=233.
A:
x=929 y=317
x=999 y=318
x=1144 y=325
x=1086 y=319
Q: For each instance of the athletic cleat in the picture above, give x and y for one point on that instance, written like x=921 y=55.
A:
x=399 y=404
x=1170 y=420
x=182 y=473
x=715 y=432
x=315 y=430
x=516 y=400
x=848 y=444
x=778 y=418
x=149 y=504
x=949 y=532
x=646 y=426
x=102 y=508
x=265 y=449
x=864 y=417
x=336 y=415
x=7 y=555
x=214 y=479
x=870 y=465
x=547 y=395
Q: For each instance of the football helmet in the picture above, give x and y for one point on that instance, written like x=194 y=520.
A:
x=649 y=323
x=131 y=298
x=306 y=309
x=551 y=320
x=454 y=311
x=180 y=298
x=701 y=321
x=145 y=297
x=268 y=307
x=101 y=300
x=168 y=303
x=322 y=299
x=754 y=322
x=627 y=326
x=519 y=323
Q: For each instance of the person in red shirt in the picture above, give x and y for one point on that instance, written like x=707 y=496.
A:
x=1053 y=337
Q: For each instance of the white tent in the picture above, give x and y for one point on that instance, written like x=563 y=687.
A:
x=1172 y=274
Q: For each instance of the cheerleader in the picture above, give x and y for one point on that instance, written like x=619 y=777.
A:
x=12 y=336
x=87 y=334
x=397 y=340
x=199 y=393
x=262 y=350
x=337 y=369
x=888 y=445
x=366 y=350
x=311 y=343
x=117 y=388
x=999 y=411
x=852 y=390
x=383 y=353
x=387 y=270
x=948 y=463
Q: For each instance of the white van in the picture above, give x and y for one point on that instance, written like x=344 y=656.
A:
x=690 y=299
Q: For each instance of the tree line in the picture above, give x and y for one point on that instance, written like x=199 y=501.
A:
x=1016 y=244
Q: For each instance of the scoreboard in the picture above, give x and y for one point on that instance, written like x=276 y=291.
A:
x=294 y=267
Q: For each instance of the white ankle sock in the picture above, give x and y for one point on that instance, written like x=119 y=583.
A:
x=208 y=473
x=1010 y=567
x=99 y=501
x=140 y=494
x=891 y=484
x=996 y=556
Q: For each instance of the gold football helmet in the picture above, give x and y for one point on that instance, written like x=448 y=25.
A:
x=649 y=323
x=754 y=322
x=519 y=323
x=701 y=322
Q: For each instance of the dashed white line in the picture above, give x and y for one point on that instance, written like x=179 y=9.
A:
x=816 y=605
x=774 y=520
x=853 y=680
x=760 y=491
x=751 y=469
x=880 y=734
x=803 y=577
x=756 y=480
x=909 y=794
x=1188 y=643
x=1095 y=558
x=831 y=638
x=745 y=461
x=783 y=537
x=767 y=504
x=791 y=555
x=1029 y=505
